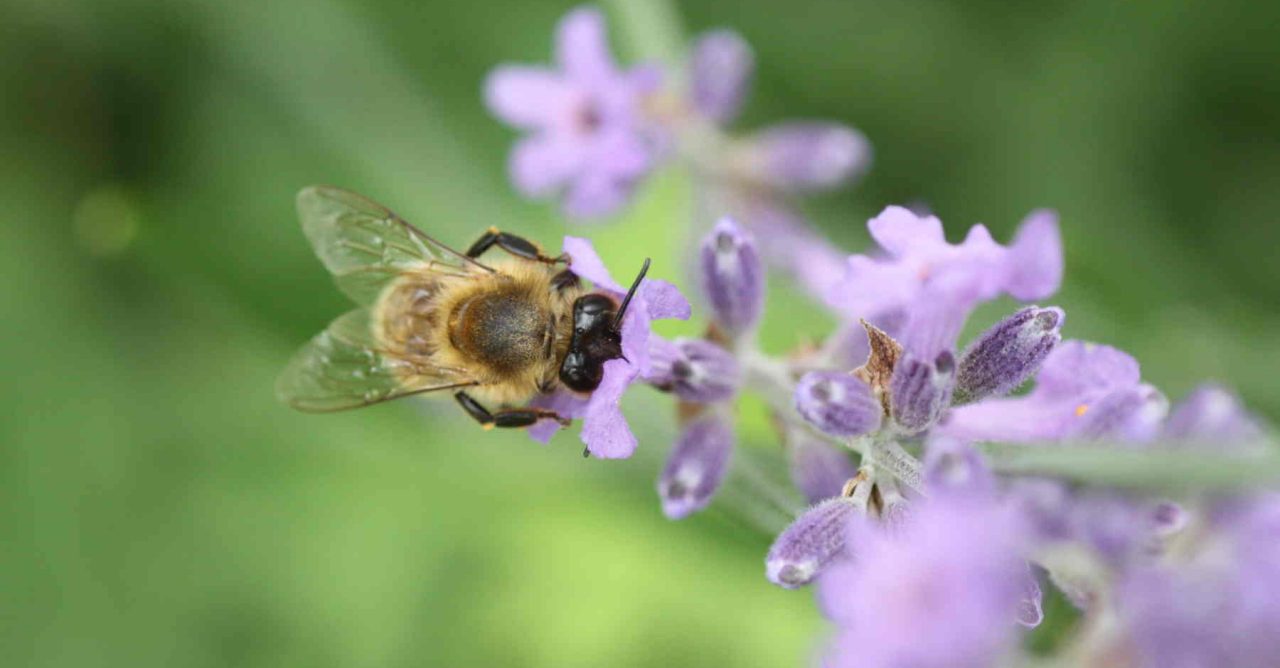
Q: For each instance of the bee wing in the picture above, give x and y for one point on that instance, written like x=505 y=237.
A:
x=342 y=368
x=365 y=245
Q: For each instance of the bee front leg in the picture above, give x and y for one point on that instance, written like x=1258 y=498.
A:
x=507 y=417
x=516 y=245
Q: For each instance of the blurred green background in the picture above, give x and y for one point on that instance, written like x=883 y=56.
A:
x=161 y=509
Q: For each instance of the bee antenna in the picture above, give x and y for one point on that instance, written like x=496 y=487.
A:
x=626 y=301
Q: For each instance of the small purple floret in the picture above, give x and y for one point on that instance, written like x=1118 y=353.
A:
x=838 y=403
x=732 y=277
x=1008 y=354
x=720 y=71
x=694 y=369
x=921 y=390
x=696 y=466
x=813 y=541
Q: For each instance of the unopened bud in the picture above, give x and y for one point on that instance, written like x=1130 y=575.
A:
x=808 y=156
x=1030 y=611
x=696 y=466
x=837 y=403
x=1006 y=355
x=732 y=277
x=812 y=542
x=694 y=369
x=720 y=71
x=955 y=467
x=921 y=390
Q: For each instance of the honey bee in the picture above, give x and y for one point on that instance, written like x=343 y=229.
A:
x=432 y=319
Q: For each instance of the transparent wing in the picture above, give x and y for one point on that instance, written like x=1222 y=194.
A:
x=365 y=245
x=342 y=368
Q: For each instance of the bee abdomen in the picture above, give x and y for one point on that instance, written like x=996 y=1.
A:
x=505 y=331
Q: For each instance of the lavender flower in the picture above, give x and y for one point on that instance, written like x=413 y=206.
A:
x=921 y=390
x=942 y=590
x=837 y=403
x=1008 y=354
x=804 y=156
x=814 y=540
x=720 y=71
x=935 y=283
x=696 y=466
x=1084 y=390
x=604 y=429
x=588 y=137
x=694 y=369
x=732 y=277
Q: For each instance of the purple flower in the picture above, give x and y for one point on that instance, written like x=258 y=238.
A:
x=837 y=403
x=694 y=369
x=937 y=284
x=1220 y=607
x=604 y=429
x=587 y=136
x=944 y=589
x=696 y=466
x=1212 y=416
x=1008 y=354
x=814 y=540
x=804 y=156
x=1083 y=391
x=955 y=468
x=720 y=71
x=818 y=470
x=732 y=277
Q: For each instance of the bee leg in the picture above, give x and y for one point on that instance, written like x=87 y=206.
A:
x=507 y=417
x=516 y=245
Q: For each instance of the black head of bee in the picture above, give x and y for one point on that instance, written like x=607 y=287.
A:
x=597 y=337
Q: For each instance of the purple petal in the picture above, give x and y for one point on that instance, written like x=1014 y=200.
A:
x=1212 y=414
x=587 y=263
x=528 y=96
x=664 y=300
x=563 y=402
x=604 y=429
x=542 y=164
x=595 y=194
x=582 y=48
x=1076 y=368
x=898 y=230
x=720 y=71
x=787 y=241
x=621 y=156
x=1035 y=257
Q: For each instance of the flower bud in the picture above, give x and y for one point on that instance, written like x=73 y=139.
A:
x=818 y=470
x=807 y=156
x=694 y=369
x=1130 y=415
x=955 y=467
x=696 y=466
x=720 y=71
x=1008 y=354
x=920 y=391
x=732 y=277
x=1030 y=611
x=816 y=538
x=837 y=403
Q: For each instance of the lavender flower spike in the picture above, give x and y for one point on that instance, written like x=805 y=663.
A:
x=813 y=541
x=588 y=138
x=920 y=390
x=696 y=466
x=1008 y=354
x=838 y=403
x=720 y=72
x=732 y=277
x=694 y=369
x=806 y=156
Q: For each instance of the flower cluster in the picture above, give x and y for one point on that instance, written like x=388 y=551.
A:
x=924 y=553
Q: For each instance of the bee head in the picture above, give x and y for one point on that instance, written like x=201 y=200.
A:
x=597 y=337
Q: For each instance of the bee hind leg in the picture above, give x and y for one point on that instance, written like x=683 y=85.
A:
x=513 y=244
x=506 y=417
